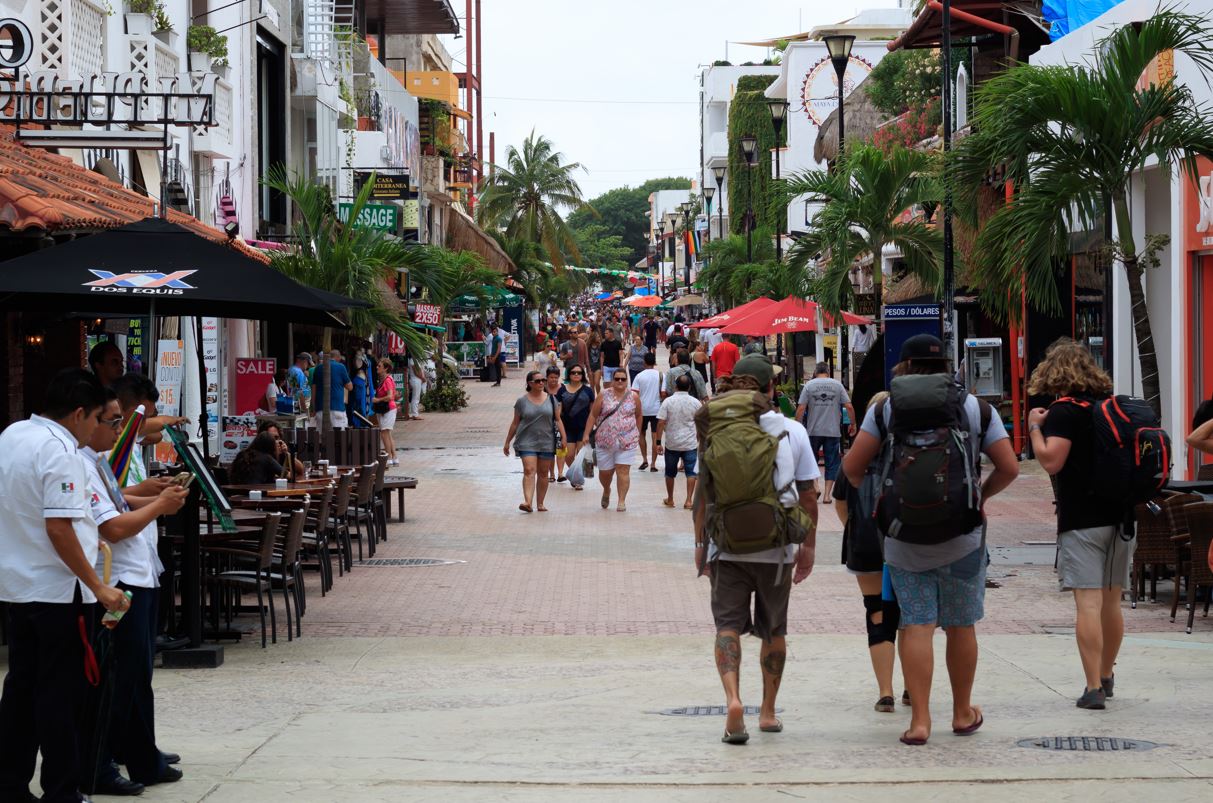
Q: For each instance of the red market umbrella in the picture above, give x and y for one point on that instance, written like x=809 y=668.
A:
x=790 y=315
x=642 y=301
x=735 y=314
x=849 y=318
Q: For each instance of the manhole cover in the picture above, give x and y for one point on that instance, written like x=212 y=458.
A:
x=1086 y=743
x=707 y=711
x=408 y=562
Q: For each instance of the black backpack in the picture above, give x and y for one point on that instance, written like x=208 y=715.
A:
x=930 y=475
x=1132 y=461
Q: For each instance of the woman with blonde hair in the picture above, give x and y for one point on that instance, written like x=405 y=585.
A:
x=1093 y=558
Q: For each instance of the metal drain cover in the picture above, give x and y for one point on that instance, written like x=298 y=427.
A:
x=1086 y=743
x=707 y=711
x=408 y=562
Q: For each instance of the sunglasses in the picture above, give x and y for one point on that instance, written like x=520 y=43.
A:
x=113 y=423
x=576 y=373
x=619 y=379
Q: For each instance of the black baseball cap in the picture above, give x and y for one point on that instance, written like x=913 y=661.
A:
x=922 y=347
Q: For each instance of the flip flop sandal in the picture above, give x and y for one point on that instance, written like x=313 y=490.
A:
x=667 y=502
x=525 y=508
x=905 y=697
x=740 y=737
x=969 y=730
x=776 y=728
x=644 y=465
x=886 y=705
x=688 y=506
x=606 y=500
x=621 y=507
x=562 y=479
x=915 y=742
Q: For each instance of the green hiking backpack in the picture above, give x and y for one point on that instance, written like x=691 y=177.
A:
x=737 y=462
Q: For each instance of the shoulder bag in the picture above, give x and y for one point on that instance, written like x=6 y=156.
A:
x=597 y=424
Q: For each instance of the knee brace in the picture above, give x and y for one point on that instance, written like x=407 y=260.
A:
x=890 y=618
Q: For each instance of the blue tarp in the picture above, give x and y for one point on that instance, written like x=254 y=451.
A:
x=1065 y=16
x=640 y=291
x=602 y=296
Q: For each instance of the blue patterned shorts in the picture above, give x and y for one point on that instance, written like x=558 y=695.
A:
x=950 y=596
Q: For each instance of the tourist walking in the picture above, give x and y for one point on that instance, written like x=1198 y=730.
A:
x=862 y=555
x=636 y=354
x=613 y=429
x=537 y=433
x=594 y=356
x=700 y=359
x=553 y=387
x=651 y=329
x=647 y=385
x=384 y=406
x=612 y=350
x=937 y=568
x=417 y=382
x=1093 y=556
x=683 y=367
x=676 y=438
x=495 y=349
x=758 y=501
x=576 y=398
x=820 y=407
x=725 y=355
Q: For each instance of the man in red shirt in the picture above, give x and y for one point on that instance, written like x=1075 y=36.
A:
x=724 y=357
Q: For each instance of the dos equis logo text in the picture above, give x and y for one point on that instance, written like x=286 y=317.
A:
x=142 y=282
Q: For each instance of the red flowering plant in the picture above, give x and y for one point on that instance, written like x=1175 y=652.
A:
x=910 y=128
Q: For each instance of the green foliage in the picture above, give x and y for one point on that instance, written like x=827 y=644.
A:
x=522 y=197
x=904 y=80
x=142 y=6
x=204 y=39
x=722 y=63
x=447 y=394
x=455 y=274
x=728 y=279
x=748 y=114
x=161 y=22
x=621 y=212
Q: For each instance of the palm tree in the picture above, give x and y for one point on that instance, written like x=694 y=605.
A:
x=463 y=273
x=522 y=198
x=1070 y=139
x=727 y=278
x=864 y=198
x=354 y=262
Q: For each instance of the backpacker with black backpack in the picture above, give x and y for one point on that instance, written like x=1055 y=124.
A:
x=1132 y=461
x=930 y=475
x=737 y=463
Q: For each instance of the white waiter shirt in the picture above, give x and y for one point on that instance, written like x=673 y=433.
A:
x=42 y=476
x=135 y=560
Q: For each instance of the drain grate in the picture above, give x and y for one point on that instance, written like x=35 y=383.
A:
x=1089 y=744
x=707 y=711
x=408 y=562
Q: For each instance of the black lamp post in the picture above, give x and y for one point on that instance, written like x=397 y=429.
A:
x=688 y=227
x=839 y=47
x=779 y=112
x=708 y=193
x=718 y=173
x=949 y=272
x=749 y=145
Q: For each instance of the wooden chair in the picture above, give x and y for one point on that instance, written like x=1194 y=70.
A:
x=254 y=579
x=360 y=509
x=378 y=507
x=338 y=527
x=1155 y=548
x=1175 y=509
x=316 y=539
x=1199 y=574
x=1205 y=472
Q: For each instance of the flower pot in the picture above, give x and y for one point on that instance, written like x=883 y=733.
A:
x=221 y=69
x=139 y=24
x=168 y=37
x=200 y=62
x=366 y=124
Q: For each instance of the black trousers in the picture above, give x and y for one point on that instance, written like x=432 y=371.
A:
x=130 y=738
x=41 y=706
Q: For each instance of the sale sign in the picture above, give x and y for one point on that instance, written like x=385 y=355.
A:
x=427 y=314
x=253 y=378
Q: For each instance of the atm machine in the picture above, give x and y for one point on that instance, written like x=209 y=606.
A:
x=983 y=367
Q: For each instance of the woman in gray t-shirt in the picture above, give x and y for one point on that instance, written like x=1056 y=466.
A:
x=534 y=435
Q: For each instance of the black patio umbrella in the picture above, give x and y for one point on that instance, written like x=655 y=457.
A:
x=166 y=269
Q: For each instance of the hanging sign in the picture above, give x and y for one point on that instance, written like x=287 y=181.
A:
x=427 y=314
x=253 y=378
x=380 y=217
x=387 y=187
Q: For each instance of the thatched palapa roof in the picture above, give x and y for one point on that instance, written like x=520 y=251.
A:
x=462 y=234
x=863 y=118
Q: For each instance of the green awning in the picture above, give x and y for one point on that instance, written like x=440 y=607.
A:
x=495 y=296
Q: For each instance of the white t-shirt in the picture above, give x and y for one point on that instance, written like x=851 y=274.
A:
x=135 y=560
x=42 y=476
x=794 y=462
x=713 y=339
x=678 y=413
x=648 y=384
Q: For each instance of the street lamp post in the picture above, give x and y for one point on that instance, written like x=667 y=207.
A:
x=749 y=144
x=839 y=47
x=779 y=112
x=718 y=173
x=708 y=193
x=688 y=212
x=949 y=273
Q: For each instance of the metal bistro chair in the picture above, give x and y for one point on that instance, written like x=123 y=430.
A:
x=286 y=568
x=338 y=528
x=378 y=506
x=1200 y=574
x=316 y=539
x=360 y=509
x=257 y=580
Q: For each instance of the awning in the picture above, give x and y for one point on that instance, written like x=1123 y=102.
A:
x=413 y=16
x=969 y=18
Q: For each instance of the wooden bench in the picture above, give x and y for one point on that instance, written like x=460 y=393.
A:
x=399 y=485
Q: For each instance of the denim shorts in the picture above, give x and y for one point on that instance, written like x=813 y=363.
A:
x=540 y=455
x=689 y=458
x=950 y=596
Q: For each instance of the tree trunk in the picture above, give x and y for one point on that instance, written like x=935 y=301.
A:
x=1146 y=355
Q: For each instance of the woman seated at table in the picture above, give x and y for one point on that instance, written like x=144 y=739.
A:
x=282 y=452
x=1201 y=437
x=255 y=464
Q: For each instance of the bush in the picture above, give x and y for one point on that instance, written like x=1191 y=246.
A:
x=204 y=39
x=447 y=395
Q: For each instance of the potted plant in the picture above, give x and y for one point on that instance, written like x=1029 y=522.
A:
x=208 y=49
x=139 y=18
x=162 y=27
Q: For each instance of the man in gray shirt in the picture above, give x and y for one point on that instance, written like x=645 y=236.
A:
x=820 y=410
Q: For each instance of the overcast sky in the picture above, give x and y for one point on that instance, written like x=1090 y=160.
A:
x=614 y=83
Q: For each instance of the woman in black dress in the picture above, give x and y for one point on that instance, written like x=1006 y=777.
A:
x=575 y=397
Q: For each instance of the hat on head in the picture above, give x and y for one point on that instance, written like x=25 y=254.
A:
x=303 y=355
x=922 y=347
x=758 y=366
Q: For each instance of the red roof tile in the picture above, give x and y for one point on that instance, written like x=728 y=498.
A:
x=46 y=191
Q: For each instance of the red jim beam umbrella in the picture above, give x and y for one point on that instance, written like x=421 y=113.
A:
x=790 y=315
x=735 y=314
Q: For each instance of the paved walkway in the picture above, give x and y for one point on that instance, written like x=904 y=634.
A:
x=536 y=668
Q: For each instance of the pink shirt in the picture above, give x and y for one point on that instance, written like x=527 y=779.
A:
x=388 y=388
x=618 y=433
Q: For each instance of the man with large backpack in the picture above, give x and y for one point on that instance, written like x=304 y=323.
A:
x=928 y=438
x=755 y=527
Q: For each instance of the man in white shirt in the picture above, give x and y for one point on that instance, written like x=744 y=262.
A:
x=647 y=385
x=759 y=578
x=677 y=439
x=48 y=543
x=127 y=521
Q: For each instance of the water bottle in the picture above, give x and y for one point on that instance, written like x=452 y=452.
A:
x=112 y=618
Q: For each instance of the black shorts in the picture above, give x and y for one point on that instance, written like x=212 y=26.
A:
x=733 y=586
x=649 y=422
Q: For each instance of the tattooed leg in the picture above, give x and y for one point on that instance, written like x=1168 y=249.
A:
x=728 y=664
x=773 y=657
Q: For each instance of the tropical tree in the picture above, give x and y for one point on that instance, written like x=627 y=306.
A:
x=622 y=211
x=727 y=278
x=463 y=273
x=863 y=201
x=1070 y=139
x=523 y=197
x=349 y=260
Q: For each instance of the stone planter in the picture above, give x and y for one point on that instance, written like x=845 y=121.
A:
x=139 y=24
x=200 y=62
x=168 y=37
